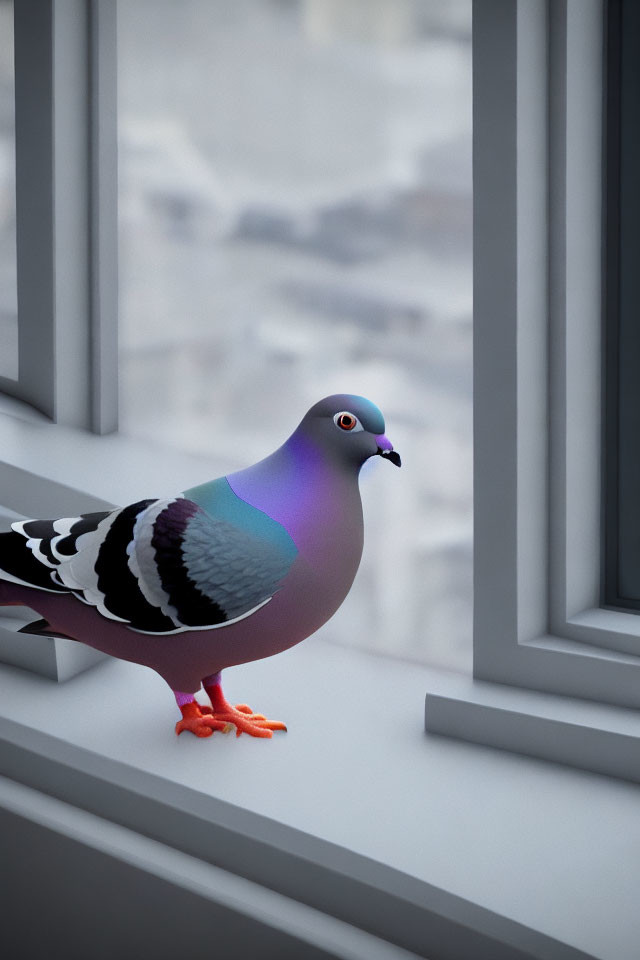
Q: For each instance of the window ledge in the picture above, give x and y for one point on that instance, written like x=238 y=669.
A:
x=592 y=736
x=431 y=845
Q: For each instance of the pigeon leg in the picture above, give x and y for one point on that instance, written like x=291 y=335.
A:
x=241 y=716
x=194 y=720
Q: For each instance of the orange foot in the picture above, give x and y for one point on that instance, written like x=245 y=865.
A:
x=194 y=721
x=241 y=716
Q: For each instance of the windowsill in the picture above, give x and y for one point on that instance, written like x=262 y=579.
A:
x=352 y=800
x=592 y=736
x=432 y=844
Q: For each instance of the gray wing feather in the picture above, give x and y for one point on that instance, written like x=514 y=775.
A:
x=234 y=569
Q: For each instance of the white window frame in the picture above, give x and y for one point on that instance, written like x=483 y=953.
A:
x=538 y=622
x=66 y=211
x=55 y=468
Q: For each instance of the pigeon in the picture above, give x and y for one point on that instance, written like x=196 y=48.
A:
x=230 y=571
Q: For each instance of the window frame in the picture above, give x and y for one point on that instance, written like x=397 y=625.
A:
x=66 y=211
x=538 y=620
x=52 y=465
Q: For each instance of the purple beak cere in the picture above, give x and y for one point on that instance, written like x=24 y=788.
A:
x=385 y=449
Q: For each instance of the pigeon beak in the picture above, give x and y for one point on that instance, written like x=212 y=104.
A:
x=385 y=450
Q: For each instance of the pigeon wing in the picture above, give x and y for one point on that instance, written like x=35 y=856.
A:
x=161 y=566
x=85 y=556
x=204 y=570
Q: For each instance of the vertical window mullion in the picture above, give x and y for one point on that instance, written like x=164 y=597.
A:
x=34 y=202
x=103 y=175
x=66 y=209
x=611 y=291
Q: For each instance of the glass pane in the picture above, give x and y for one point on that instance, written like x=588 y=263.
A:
x=296 y=221
x=622 y=534
x=8 y=283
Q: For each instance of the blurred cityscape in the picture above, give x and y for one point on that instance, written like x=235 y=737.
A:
x=295 y=203
x=295 y=210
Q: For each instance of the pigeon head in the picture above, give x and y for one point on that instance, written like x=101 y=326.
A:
x=348 y=429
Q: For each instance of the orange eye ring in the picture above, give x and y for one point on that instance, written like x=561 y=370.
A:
x=346 y=421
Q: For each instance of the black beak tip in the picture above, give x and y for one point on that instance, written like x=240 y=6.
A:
x=392 y=455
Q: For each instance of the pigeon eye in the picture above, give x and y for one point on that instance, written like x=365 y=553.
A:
x=347 y=421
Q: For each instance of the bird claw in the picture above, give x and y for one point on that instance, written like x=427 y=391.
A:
x=254 y=724
x=245 y=708
x=202 y=726
x=244 y=719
